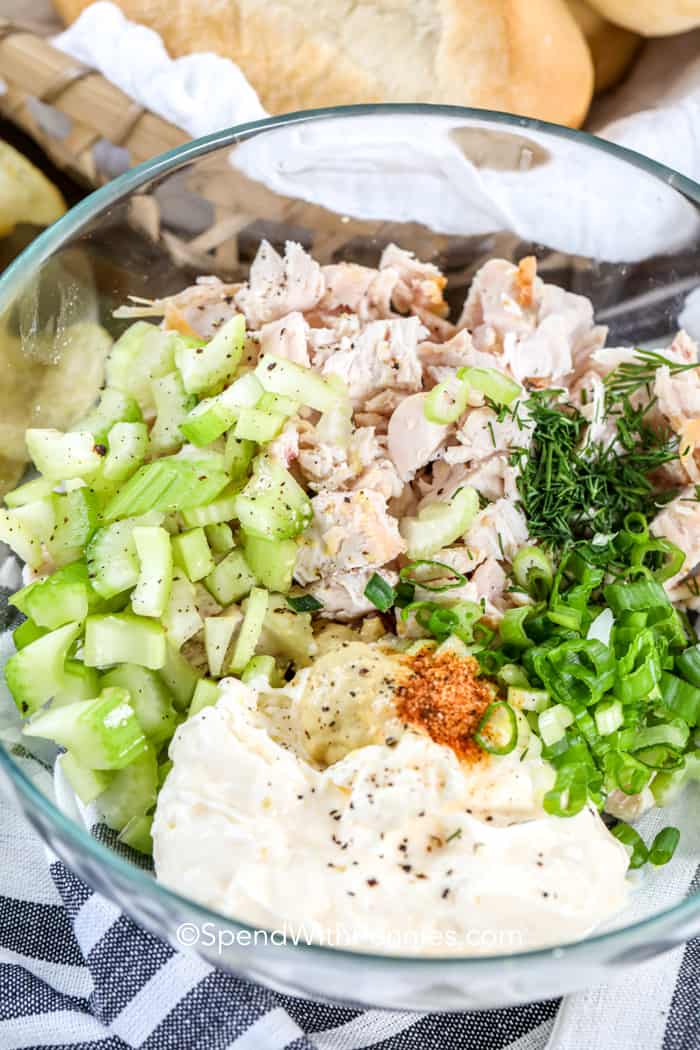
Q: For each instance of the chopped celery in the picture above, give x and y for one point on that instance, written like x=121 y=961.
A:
x=208 y=368
x=131 y=792
x=272 y=561
x=38 y=518
x=278 y=404
x=214 y=415
x=167 y=484
x=254 y=424
x=61 y=456
x=205 y=695
x=238 y=456
x=35 y=673
x=172 y=407
x=280 y=376
x=142 y=354
x=220 y=537
x=260 y=667
x=251 y=628
x=63 y=597
x=123 y=638
x=179 y=676
x=127 y=445
x=287 y=633
x=76 y=514
x=219 y=510
x=181 y=618
x=27 y=633
x=150 y=596
x=273 y=505
x=112 y=560
x=87 y=783
x=102 y=734
x=79 y=683
x=114 y=407
x=150 y=699
x=191 y=552
x=30 y=492
x=440 y=524
x=136 y=833
x=163 y=770
x=231 y=580
x=16 y=535
x=218 y=632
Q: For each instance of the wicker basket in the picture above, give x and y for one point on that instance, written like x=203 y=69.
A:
x=66 y=106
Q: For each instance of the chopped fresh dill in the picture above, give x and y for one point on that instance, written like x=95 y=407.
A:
x=455 y=835
x=629 y=377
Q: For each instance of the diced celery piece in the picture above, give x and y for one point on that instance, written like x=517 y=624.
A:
x=114 y=407
x=16 y=535
x=220 y=537
x=137 y=833
x=150 y=699
x=273 y=505
x=440 y=523
x=127 y=446
x=79 y=683
x=245 y=392
x=181 y=618
x=87 y=783
x=35 y=673
x=219 y=510
x=218 y=632
x=278 y=404
x=142 y=354
x=131 y=792
x=150 y=596
x=207 y=421
x=112 y=560
x=280 y=376
x=251 y=628
x=231 y=580
x=60 y=598
x=167 y=484
x=123 y=638
x=260 y=667
x=206 y=369
x=173 y=404
x=287 y=633
x=271 y=561
x=255 y=425
x=30 y=492
x=76 y=515
x=102 y=734
x=191 y=552
x=38 y=518
x=238 y=456
x=205 y=695
x=27 y=633
x=179 y=676
x=61 y=456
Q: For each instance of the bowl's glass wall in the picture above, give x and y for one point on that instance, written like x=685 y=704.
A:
x=456 y=187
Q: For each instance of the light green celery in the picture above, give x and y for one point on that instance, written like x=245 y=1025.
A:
x=61 y=456
x=113 y=407
x=123 y=638
x=206 y=369
x=16 y=535
x=280 y=376
x=440 y=523
x=35 y=673
x=220 y=537
x=150 y=596
x=173 y=404
x=273 y=505
x=221 y=509
x=218 y=632
x=205 y=695
x=271 y=561
x=141 y=355
x=238 y=455
x=181 y=618
x=38 y=518
x=254 y=424
x=79 y=683
x=149 y=697
x=179 y=676
x=76 y=517
x=214 y=415
x=30 y=492
x=136 y=833
x=111 y=556
x=278 y=404
x=231 y=580
x=261 y=667
x=287 y=633
x=86 y=783
x=251 y=629
x=168 y=484
x=192 y=554
x=58 y=599
x=131 y=791
x=127 y=444
x=27 y=633
x=102 y=734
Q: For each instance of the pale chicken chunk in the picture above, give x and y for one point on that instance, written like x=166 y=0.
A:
x=678 y=400
x=679 y=522
x=278 y=285
x=382 y=355
x=350 y=530
x=199 y=310
x=482 y=434
x=332 y=465
x=412 y=439
x=287 y=337
x=343 y=594
x=498 y=531
x=418 y=289
x=457 y=352
x=358 y=290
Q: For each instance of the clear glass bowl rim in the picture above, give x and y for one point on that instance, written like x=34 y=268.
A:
x=31 y=259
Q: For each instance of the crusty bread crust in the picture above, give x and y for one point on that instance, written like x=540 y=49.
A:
x=651 y=17
x=613 y=48
x=523 y=56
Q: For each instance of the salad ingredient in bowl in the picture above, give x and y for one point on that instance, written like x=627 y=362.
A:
x=329 y=591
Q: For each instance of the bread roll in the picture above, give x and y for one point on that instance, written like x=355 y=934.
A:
x=612 y=47
x=651 y=17
x=525 y=56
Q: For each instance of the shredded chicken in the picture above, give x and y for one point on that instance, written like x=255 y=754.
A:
x=287 y=337
x=384 y=354
x=278 y=285
x=342 y=595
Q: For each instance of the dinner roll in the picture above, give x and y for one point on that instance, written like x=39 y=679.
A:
x=651 y=17
x=526 y=57
x=613 y=48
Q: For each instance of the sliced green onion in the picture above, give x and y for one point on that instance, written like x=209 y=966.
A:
x=533 y=571
x=527 y=699
x=673 y=558
x=498 y=387
x=609 y=716
x=674 y=735
x=304 y=603
x=570 y=792
x=682 y=698
x=688 y=665
x=380 y=593
x=660 y=757
x=405 y=593
x=512 y=627
x=630 y=775
x=566 y=617
x=664 y=846
x=636 y=527
x=414 y=574
x=499 y=717
x=513 y=674
x=553 y=723
x=635 y=597
x=626 y=834
x=446 y=402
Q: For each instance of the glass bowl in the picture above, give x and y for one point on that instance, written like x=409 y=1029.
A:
x=456 y=186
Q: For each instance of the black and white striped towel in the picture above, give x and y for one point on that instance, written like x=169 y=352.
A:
x=76 y=973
